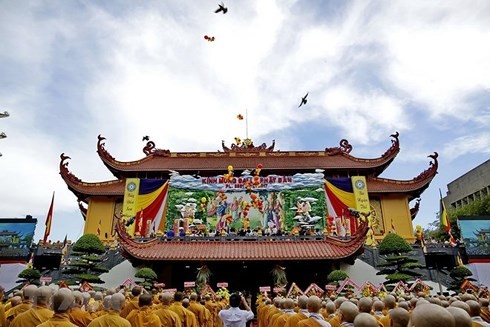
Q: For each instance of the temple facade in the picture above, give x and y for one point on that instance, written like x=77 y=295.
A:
x=321 y=206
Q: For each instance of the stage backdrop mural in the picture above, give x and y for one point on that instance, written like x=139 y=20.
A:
x=16 y=236
x=475 y=232
x=277 y=203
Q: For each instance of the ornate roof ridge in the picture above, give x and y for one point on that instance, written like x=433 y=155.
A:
x=239 y=152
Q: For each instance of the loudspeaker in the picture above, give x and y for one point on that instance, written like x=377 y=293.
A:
x=440 y=260
x=47 y=261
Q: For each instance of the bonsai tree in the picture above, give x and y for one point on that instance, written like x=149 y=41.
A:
x=149 y=277
x=86 y=267
x=398 y=265
x=459 y=275
x=336 y=276
x=30 y=276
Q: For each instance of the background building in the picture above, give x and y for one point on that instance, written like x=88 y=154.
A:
x=469 y=187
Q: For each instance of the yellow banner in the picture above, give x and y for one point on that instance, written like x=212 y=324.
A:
x=130 y=200
x=361 y=194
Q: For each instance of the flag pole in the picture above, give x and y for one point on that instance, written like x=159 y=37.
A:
x=246 y=123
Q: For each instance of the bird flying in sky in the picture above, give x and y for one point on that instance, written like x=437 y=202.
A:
x=222 y=8
x=303 y=100
x=146 y=138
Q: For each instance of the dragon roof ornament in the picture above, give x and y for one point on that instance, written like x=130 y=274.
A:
x=64 y=169
x=432 y=170
x=248 y=146
x=150 y=149
x=345 y=147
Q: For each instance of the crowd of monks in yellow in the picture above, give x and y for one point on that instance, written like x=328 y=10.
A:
x=464 y=310
x=41 y=306
x=45 y=307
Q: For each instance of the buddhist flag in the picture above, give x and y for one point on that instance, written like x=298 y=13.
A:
x=445 y=221
x=443 y=215
x=64 y=250
x=49 y=218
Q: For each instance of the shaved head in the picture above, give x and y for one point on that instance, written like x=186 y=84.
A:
x=399 y=317
x=431 y=315
x=63 y=300
x=314 y=304
x=29 y=292
x=461 y=317
x=302 y=301
x=106 y=303
x=166 y=298
x=348 y=311
x=43 y=294
x=117 y=301
x=365 y=320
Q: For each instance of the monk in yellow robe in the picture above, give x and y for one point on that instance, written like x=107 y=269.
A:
x=167 y=316
x=79 y=317
x=39 y=313
x=212 y=307
x=302 y=313
x=133 y=303
x=112 y=318
x=484 y=312
x=288 y=311
x=187 y=318
x=62 y=301
x=144 y=316
x=28 y=294
x=2 y=307
x=198 y=310
x=271 y=311
x=390 y=303
x=262 y=310
x=315 y=319
x=106 y=307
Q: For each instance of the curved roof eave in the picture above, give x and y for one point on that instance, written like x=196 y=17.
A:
x=331 y=158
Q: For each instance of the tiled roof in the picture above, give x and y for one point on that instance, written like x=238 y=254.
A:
x=159 y=160
x=116 y=187
x=253 y=250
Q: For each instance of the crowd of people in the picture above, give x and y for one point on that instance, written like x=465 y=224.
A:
x=47 y=306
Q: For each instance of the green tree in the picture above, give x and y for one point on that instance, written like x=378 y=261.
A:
x=336 y=276
x=30 y=276
x=398 y=265
x=459 y=275
x=87 y=265
x=149 y=277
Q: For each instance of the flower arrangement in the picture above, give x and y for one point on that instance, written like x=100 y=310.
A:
x=223 y=292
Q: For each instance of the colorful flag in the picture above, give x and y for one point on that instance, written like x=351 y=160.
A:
x=443 y=215
x=445 y=221
x=49 y=219
x=64 y=250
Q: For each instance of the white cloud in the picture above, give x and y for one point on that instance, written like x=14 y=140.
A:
x=467 y=144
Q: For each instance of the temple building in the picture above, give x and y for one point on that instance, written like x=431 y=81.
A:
x=247 y=210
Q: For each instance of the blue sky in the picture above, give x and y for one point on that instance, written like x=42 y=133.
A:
x=71 y=70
